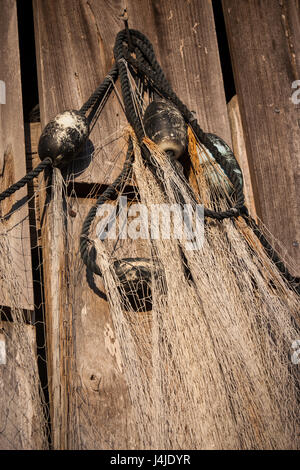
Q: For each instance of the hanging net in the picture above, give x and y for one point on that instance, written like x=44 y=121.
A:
x=180 y=337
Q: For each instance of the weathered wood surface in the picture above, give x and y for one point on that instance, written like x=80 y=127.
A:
x=189 y=56
x=32 y=135
x=264 y=44
x=74 y=41
x=96 y=383
x=21 y=415
x=54 y=247
x=83 y=32
x=239 y=149
x=16 y=262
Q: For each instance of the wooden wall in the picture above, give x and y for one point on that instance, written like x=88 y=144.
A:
x=74 y=41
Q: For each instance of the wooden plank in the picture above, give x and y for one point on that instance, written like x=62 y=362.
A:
x=89 y=398
x=50 y=236
x=239 y=149
x=53 y=241
x=12 y=167
x=264 y=39
x=84 y=34
x=87 y=388
x=188 y=51
x=67 y=79
x=21 y=414
x=101 y=401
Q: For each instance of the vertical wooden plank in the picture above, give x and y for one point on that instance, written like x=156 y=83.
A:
x=13 y=211
x=54 y=249
x=101 y=401
x=239 y=149
x=87 y=383
x=21 y=415
x=84 y=33
x=189 y=55
x=263 y=39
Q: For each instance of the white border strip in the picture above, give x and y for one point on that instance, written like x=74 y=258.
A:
x=2 y=92
x=2 y=350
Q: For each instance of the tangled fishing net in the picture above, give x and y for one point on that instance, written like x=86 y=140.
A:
x=209 y=365
x=23 y=412
x=204 y=346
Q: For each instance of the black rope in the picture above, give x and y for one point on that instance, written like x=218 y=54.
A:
x=26 y=179
x=110 y=192
x=102 y=89
x=96 y=98
x=149 y=68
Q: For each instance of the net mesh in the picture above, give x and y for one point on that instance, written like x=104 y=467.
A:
x=23 y=410
x=209 y=367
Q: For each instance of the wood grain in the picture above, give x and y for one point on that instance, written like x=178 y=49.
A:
x=13 y=164
x=239 y=149
x=53 y=239
x=19 y=407
x=98 y=391
x=84 y=32
x=189 y=55
x=264 y=44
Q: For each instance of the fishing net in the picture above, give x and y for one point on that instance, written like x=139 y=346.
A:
x=23 y=410
x=183 y=342
x=208 y=366
x=204 y=331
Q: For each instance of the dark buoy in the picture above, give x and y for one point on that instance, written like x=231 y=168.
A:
x=166 y=127
x=226 y=151
x=63 y=137
x=135 y=279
